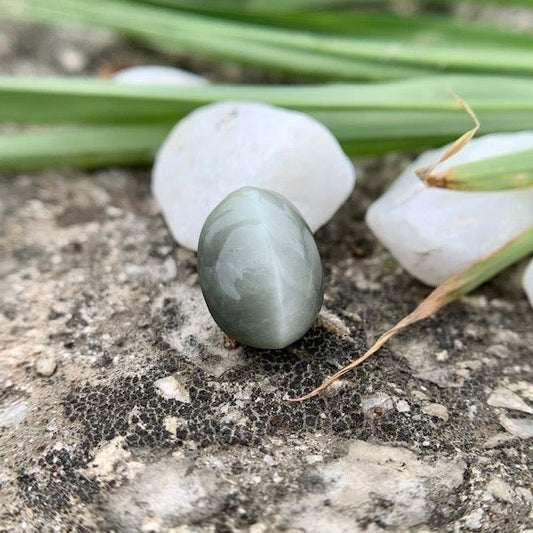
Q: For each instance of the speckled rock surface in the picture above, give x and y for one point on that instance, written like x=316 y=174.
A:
x=98 y=305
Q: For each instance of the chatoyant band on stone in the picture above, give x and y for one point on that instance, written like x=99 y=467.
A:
x=260 y=270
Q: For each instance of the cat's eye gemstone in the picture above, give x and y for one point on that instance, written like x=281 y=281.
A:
x=260 y=270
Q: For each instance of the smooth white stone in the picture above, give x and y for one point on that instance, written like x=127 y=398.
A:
x=435 y=233
x=527 y=282
x=159 y=75
x=224 y=146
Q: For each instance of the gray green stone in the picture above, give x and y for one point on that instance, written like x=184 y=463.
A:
x=259 y=267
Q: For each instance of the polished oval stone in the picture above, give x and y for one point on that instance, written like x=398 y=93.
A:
x=259 y=268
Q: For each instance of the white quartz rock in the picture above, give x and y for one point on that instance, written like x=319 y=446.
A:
x=159 y=75
x=224 y=146
x=435 y=233
x=527 y=281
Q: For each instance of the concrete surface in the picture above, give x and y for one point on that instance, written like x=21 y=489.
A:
x=98 y=305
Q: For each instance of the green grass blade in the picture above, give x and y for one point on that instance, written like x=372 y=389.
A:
x=361 y=133
x=82 y=146
x=489 y=2
x=211 y=35
x=178 y=32
x=509 y=171
x=418 y=28
x=281 y=58
x=88 y=146
x=367 y=119
x=302 y=6
x=89 y=100
x=487 y=267
x=253 y=6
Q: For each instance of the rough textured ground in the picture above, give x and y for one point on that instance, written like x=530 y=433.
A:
x=98 y=305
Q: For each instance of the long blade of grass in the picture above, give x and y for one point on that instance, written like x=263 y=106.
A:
x=490 y=2
x=81 y=146
x=361 y=133
x=456 y=286
x=89 y=100
x=420 y=28
x=87 y=146
x=510 y=171
x=307 y=5
x=258 y=5
x=367 y=119
x=195 y=33
x=173 y=32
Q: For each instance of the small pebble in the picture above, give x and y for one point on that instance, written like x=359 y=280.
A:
x=442 y=356
x=500 y=490
x=402 y=406
x=436 y=409
x=106 y=459
x=258 y=527
x=313 y=459
x=331 y=323
x=72 y=60
x=151 y=526
x=167 y=271
x=498 y=440
x=269 y=460
x=503 y=397
x=46 y=365
x=527 y=495
x=377 y=405
x=419 y=395
x=519 y=427
x=499 y=350
x=473 y=521
x=171 y=389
